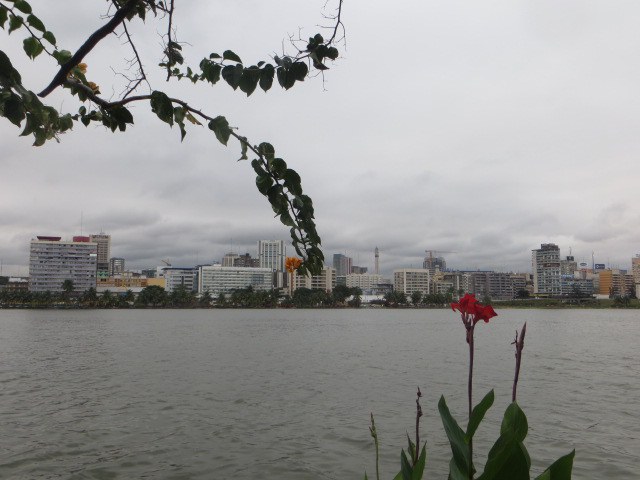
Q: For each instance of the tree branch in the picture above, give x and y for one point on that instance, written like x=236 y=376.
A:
x=89 y=45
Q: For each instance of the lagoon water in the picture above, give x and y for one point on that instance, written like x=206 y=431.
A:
x=246 y=394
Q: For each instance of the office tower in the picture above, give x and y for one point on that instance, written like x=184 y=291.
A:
x=175 y=277
x=52 y=261
x=342 y=264
x=116 y=266
x=104 y=252
x=272 y=254
x=545 y=263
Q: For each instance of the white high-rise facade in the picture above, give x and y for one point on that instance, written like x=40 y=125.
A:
x=272 y=255
x=52 y=261
x=545 y=262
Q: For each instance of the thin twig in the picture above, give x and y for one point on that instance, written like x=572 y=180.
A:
x=89 y=45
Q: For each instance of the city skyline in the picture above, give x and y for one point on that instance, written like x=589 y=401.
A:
x=516 y=126
x=330 y=259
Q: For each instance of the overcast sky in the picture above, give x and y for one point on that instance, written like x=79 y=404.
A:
x=480 y=128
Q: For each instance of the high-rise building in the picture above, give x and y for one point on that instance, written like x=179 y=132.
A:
x=545 y=262
x=635 y=268
x=52 y=261
x=272 y=255
x=342 y=264
x=104 y=252
x=434 y=264
x=116 y=266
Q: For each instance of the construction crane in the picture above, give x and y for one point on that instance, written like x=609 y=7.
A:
x=166 y=261
x=431 y=252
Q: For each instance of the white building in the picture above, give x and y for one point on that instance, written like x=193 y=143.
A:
x=217 y=279
x=364 y=281
x=175 y=277
x=409 y=280
x=272 y=255
x=52 y=261
x=325 y=281
x=545 y=263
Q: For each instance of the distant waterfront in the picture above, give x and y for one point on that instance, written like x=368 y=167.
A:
x=286 y=394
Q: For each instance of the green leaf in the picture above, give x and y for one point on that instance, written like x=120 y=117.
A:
x=292 y=181
x=287 y=220
x=221 y=128
x=161 y=105
x=15 y=22
x=266 y=77
x=23 y=6
x=286 y=78
x=7 y=72
x=405 y=467
x=267 y=151
x=62 y=56
x=508 y=458
x=232 y=75
x=13 y=109
x=249 y=80
x=229 y=55
x=332 y=53
x=418 y=469
x=4 y=15
x=299 y=71
x=49 y=37
x=35 y=22
x=32 y=47
x=478 y=414
x=278 y=167
x=210 y=71
x=264 y=183
x=514 y=423
x=560 y=469
x=459 y=447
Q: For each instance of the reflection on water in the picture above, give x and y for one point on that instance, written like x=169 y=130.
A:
x=287 y=394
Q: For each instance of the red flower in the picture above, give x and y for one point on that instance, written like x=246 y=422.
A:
x=466 y=305
x=472 y=311
x=484 y=312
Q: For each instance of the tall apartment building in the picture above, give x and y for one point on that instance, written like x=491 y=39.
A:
x=246 y=261
x=217 y=279
x=104 y=252
x=409 y=280
x=545 y=263
x=52 y=261
x=342 y=264
x=635 y=268
x=272 y=255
